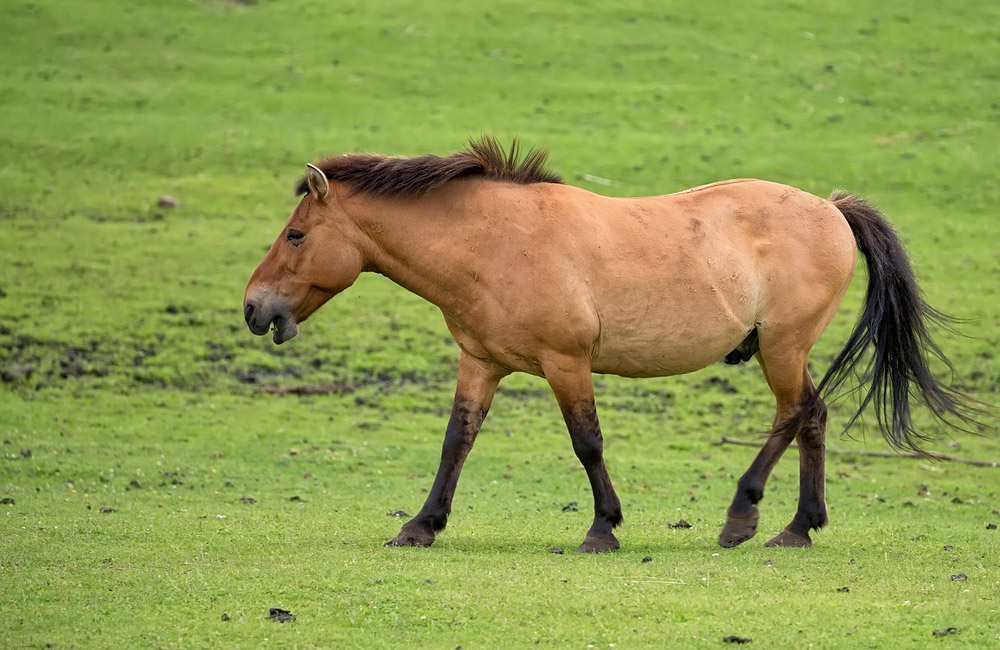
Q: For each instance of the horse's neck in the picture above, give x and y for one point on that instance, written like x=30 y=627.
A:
x=420 y=244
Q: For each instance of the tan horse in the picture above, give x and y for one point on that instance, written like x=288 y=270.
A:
x=548 y=279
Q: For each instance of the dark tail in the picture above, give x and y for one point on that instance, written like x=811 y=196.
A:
x=894 y=325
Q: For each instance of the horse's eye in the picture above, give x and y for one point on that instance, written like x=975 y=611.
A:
x=296 y=236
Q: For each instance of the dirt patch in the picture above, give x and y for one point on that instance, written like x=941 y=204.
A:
x=720 y=384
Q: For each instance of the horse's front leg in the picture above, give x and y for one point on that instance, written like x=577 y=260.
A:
x=572 y=383
x=477 y=383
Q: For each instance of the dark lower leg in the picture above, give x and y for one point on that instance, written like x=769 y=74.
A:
x=588 y=443
x=741 y=520
x=475 y=392
x=463 y=426
x=811 y=512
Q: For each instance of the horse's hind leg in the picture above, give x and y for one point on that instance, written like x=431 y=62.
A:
x=811 y=512
x=477 y=383
x=789 y=379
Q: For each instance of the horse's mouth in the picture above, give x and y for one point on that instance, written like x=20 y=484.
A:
x=284 y=328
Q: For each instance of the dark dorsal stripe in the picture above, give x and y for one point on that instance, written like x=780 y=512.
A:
x=408 y=177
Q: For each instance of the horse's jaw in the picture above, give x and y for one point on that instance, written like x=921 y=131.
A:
x=284 y=328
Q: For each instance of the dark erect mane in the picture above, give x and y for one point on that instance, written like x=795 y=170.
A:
x=409 y=177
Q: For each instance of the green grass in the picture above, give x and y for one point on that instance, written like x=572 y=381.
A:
x=128 y=317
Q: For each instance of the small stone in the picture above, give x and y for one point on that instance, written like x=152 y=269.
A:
x=556 y=550
x=167 y=201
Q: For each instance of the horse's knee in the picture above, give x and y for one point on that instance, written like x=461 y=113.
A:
x=589 y=448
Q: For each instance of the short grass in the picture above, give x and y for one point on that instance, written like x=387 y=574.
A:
x=133 y=384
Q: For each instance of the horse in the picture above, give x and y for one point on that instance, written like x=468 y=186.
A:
x=533 y=275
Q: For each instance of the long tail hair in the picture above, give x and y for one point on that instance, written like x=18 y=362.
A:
x=894 y=325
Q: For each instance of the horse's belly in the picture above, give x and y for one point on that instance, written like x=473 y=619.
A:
x=657 y=359
x=670 y=346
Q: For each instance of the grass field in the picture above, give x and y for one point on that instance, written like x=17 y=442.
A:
x=156 y=497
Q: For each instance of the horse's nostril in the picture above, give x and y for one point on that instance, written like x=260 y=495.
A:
x=248 y=311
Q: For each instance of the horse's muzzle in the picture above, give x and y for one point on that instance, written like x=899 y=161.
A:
x=260 y=320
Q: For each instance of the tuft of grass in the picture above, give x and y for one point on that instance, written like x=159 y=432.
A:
x=153 y=488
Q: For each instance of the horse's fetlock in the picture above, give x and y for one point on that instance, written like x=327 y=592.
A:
x=751 y=488
x=437 y=522
x=615 y=518
x=818 y=519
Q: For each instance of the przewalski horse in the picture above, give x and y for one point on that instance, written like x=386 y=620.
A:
x=540 y=277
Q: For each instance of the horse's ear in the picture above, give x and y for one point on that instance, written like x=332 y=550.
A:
x=318 y=185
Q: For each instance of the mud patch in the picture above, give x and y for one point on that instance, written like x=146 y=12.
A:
x=720 y=384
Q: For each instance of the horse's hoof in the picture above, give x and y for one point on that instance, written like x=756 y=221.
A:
x=789 y=539
x=598 y=544
x=412 y=537
x=738 y=529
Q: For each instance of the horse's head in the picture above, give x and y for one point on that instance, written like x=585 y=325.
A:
x=315 y=257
